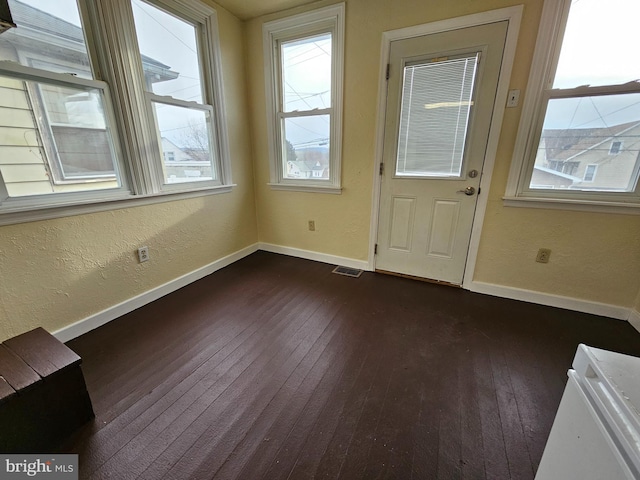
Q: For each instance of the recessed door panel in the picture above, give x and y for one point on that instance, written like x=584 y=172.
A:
x=444 y=224
x=402 y=220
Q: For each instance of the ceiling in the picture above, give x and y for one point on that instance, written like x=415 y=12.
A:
x=246 y=9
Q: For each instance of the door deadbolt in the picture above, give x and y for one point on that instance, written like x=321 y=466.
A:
x=473 y=173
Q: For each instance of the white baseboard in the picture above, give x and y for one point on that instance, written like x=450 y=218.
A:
x=316 y=256
x=541 y=298
x=634 y=319
x=94 y=321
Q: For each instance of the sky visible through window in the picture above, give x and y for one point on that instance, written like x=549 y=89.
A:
x=162 y=38
x=306 y=65
x=65 y=9
x=172 y=42
x=599 y=48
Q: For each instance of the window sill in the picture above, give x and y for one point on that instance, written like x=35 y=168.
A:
x=10 y=216
x=575 y=205
x=307 y=188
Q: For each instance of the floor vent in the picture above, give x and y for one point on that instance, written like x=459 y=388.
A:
x=349 y=272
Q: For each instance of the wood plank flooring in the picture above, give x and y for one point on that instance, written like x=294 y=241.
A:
x=275 y=368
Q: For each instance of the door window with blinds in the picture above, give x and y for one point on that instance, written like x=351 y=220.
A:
x=437 y=100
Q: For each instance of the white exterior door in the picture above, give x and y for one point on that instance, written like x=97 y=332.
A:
x=440 y=99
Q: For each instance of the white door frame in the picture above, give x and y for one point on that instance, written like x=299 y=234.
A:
x=514 y=16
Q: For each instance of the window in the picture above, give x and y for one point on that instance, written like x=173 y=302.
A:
x=615 y=148
x=590 y=173
x=63 y=144
x=434 y=116
x=579 y=112
x=177 y=101
x=304 y=95
x=56 y=129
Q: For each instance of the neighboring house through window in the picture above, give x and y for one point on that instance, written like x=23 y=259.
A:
x=62 y=142
x=56 y=132
x=579 y=112
x=180 y=107
x=304 y=55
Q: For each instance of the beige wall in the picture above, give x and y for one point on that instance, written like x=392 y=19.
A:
x=594 y=257
x=54 y=273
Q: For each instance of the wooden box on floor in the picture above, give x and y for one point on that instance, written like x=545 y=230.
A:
x=43 y=395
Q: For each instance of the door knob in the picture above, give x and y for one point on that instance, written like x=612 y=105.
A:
x=468 y=191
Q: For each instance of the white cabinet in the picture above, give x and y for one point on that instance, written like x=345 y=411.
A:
x=596 y=432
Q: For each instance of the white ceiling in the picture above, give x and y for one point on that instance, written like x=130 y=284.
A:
x=245 y=9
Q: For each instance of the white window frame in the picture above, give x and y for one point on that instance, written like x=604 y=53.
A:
x=15 y=205
x=45 y=125
x=113 y=53
x=618 y=150
x=545 y=61
x=324 y=20
x=198 y=18
x=594 y=167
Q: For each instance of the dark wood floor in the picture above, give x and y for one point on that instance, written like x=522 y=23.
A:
x=276 y=368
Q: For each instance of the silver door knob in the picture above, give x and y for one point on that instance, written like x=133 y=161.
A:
x=468 y=191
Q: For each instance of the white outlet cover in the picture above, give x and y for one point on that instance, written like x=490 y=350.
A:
x=143 y=254
x=513 y=98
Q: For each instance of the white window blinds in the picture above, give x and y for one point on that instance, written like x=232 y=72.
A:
x=436 y=104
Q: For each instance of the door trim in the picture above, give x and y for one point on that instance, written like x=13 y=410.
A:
x=514 y=16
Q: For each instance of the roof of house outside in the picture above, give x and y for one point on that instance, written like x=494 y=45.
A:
x=30 y=18
x=564 y=144
x=557 y=174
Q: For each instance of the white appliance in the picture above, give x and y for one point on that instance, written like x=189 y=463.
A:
x=596 y=432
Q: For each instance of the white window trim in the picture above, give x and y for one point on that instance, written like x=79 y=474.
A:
x=113 y=53
x=619 y=147
x=27 y=203
x=593 y=174
x=545 y=60
x=324 y=19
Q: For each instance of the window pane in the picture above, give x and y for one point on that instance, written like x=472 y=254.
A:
x=80 y=145
x=169 y=52
x=61 y=144
x=306 y=73
x=306 y=147
x=185 y=142
x=600 y=44
x=590 y=144
x=436 y=104
x=49 y=36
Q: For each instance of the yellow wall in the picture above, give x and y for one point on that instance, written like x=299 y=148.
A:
x=55 y=273
x=594 y=257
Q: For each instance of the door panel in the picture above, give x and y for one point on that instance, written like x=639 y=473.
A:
x=402 y=220
x=441 y=93
x=445 y=217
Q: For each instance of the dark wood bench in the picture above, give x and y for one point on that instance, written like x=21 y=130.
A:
x=43 y=395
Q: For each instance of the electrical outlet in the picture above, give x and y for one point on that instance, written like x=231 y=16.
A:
x=143 y=254
x=312 y=226
x=543 y=255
